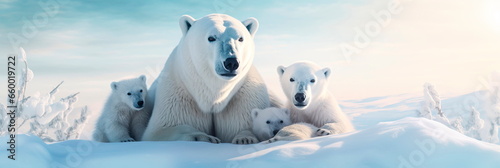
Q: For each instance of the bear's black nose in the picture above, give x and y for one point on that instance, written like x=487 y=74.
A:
x=300 y=97
x=140 y=103
x=231 y=64
x=275 y=132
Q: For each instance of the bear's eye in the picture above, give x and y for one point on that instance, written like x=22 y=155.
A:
x=240 y=39
x=292 y=80
x=129 y=93
x=268 y=122
x=281 y=121
x=140 y=90
x=312 y=80
x=211 y=39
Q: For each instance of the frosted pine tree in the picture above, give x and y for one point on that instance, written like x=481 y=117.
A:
x=493 y=133
x=428 y=104
x=475 y=124
x=492 y=108
x=432 y=102
x=457 y=125
x=24 y=75
x=44 y=116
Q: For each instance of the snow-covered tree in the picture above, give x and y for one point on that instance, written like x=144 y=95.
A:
x=475 y=124
x=457 y=125
x=25 y=75
x=428 y=104
x=493 y=133
x=484 y=129
x=493 y=109
x=42 y=115
x=432 y=102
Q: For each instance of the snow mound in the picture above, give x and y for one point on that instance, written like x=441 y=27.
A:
x=407 y=143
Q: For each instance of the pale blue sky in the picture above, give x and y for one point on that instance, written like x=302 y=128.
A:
x=89 y=44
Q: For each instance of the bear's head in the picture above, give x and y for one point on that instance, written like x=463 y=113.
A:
x=218 y=45
x=267 y=122
x=303 y=83
x=131 y=92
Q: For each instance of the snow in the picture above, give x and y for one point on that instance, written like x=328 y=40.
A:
x=408 y=142
x=368 y=112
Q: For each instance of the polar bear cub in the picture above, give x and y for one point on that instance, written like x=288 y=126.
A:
x=124 y=118
x=267 y=122
x=311 y=105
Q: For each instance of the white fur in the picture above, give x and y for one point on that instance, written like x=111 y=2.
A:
x=320 y=109
x=267 y=122
x=191 y=91
x=123 y=119
x=297 y=131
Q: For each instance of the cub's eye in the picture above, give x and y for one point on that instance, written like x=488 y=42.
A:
x=268 y=122
x=129 y=93
x=292 y=80
x=312 y=80
x=140 y=90
x=211 y=39
x=281 y=121
x=240 y=39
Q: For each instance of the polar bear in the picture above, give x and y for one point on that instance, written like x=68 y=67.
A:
x=305 y=85
x=208 y=86
x=124 y=117
x=267 y=122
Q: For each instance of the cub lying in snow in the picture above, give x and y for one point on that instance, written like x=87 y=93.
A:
x=271 y=121
x=124 y=118
x=267 y=122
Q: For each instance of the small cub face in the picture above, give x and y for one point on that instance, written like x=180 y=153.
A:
x=131 y=91
x=267 y=122
x=303 y=82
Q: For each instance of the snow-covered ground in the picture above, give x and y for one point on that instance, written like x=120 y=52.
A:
x=368 y=112
x=408 y=142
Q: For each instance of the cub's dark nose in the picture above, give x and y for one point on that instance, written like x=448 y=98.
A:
x=231 y=64
x=140 y=103
x=275 y=132
x=300 y=97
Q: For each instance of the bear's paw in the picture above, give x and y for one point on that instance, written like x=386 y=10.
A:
x=245 y=140
x=206 y=138
x=127 y=140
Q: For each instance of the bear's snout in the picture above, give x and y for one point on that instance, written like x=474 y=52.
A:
x=275 y=132
x=140 y=103
x=300 y=97
x=231 y=64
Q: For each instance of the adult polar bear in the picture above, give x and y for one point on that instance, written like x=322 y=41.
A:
x=208 y=85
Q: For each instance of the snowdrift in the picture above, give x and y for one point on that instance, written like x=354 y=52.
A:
x=409 y=142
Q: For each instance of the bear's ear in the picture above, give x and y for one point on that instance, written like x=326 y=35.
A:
x=114 y=85
x=281 y=70
x=143 y=78
x=186 y=22
x=326 y=72
x=286 y=111
x=255 y=113
x=252 y=25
